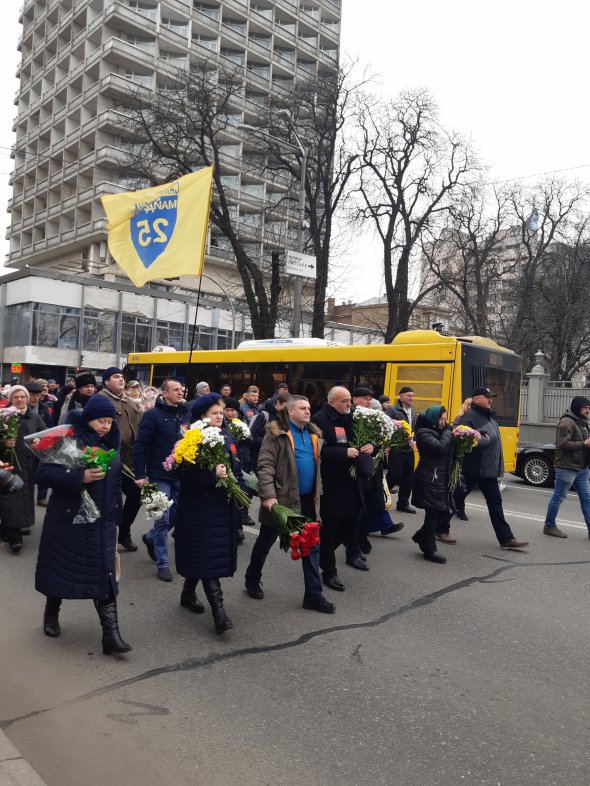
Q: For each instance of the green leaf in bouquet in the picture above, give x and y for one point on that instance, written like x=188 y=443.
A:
x=288 y=522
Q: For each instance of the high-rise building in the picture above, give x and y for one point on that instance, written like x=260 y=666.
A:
x=81 y=57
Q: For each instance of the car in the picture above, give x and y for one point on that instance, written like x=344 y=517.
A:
x=534 y=464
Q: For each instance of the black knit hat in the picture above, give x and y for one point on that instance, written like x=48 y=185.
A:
x=202 y=404
x=84 y=379
x=577 y=403
x=108 y=372
x=98 y=407
x=231 y=403
x=362 y=391
x=405 y=389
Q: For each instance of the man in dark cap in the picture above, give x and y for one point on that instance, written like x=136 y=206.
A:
x=572 y=459
x=400 y=468
x=127 y=418
x=159 y=430
x=484 y=465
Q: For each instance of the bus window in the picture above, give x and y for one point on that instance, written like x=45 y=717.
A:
x=314 y=380
x=140 y=373
x=369 y=375
x=500 y=372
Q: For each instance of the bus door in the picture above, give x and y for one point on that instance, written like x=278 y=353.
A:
x=431 y=383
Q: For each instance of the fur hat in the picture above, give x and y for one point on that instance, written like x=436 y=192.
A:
x=84 y=379
x=98 y=407
x=202 y=404
x=231 y=403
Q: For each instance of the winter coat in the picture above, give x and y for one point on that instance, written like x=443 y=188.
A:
x=74 y=401
x=277 y=470
x=485 y=461
x=159 y=430
x=45 y=409
x=431 y=479
x=78 y=560
x=340 y=492
x=205 y=529
x=397 y=412
x=249 y=411
x=570 y=451
x=128 y=417
x=17 y=510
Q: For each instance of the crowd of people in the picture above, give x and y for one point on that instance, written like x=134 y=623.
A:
x=290 y=457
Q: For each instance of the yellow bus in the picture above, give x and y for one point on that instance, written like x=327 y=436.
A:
x=440 y=369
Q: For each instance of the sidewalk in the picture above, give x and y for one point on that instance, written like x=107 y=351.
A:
x=14 y=770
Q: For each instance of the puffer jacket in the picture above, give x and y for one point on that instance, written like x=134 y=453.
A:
x=159 y=430
x=570 y=451
x=277 y=470
x=431 y=479
x=205 y=530
x=78 y=560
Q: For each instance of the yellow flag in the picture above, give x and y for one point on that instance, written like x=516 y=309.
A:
x=160 y=232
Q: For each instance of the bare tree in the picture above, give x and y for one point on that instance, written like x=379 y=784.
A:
x=410 y=166
x=546 y=215
x=469 y=257
x=319 y=111
x=186 y=126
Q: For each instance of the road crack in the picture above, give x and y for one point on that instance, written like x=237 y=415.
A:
x=214 y=658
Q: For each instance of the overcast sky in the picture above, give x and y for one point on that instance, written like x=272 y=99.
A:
x=513 y=75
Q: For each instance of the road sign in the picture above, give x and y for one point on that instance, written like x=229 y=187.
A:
x=300 y=265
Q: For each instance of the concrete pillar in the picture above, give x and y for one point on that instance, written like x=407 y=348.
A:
x=537 y=378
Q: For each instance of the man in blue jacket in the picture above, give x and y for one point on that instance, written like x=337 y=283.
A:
x=159 y=430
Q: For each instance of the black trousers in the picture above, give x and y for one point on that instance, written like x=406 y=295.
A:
x=434 y=521
x=335 y=531
x=130 y=507
x=400 y=472
x=491 y=492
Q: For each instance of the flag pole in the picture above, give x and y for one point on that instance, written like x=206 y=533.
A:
x=192 y=347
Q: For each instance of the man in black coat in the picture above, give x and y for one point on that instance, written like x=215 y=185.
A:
x=340 y=500
x=484 y=465
x=400 y=471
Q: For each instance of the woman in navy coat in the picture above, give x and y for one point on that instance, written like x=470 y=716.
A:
x=207 y=522
x=77 y=561
x=431 y=479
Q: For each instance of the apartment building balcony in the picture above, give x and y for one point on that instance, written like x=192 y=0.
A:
x=123 y=53
x=128 y=19
x=208 y=23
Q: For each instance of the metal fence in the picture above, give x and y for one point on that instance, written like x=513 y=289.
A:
x=556 y=399
x=524 y=401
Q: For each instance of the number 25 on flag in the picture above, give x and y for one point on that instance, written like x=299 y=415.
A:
x=144 y=235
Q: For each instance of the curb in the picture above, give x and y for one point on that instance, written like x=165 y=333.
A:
x=14 y=769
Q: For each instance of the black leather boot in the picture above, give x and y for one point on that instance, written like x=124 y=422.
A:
x=51 y=617
x=214 y=595
x=111 y=638
x=188 y=596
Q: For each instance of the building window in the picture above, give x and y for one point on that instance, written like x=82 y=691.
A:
x=170 y=334
x=17 y=325
x=99 y=331
x=55 y=326
x=135 y=334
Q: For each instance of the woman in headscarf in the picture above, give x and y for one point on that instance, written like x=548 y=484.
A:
x=17 y=511
x=431 y=480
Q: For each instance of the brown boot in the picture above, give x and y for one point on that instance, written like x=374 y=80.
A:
x=446 y=537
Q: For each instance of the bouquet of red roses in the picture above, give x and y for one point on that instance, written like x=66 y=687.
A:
x=295 y=531
x=58 y=445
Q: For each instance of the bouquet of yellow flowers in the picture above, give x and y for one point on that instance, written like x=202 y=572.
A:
x=203 y=446
x=402 y=435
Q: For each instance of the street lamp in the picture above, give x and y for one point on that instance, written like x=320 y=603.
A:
x=300 y=151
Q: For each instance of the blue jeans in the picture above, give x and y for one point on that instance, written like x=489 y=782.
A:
x=564 y=480
x=158 y=534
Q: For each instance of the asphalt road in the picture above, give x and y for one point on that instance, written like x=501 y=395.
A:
x=475 y=672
